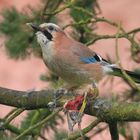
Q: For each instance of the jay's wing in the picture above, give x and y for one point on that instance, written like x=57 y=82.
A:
x=94 y=59
x=87 y=56
x=75 y=52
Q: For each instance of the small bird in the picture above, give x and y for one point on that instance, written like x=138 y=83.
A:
x=71 y=60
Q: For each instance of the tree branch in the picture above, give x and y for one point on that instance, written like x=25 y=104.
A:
x=121 y=35
x=23 y=99
x=106 y=110
x=114 y=111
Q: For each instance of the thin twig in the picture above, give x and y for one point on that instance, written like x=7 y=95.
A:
x=37 y=124
x=44 y=9
x=124 y=34
x=54 y=5
x=10 y=113
x=18 y=131
x=13 y=129
x=84 y=131
x=113 y=131
x=116 y=45
x=99 y=130
x=82 y=22
x=42 y=137
x=120 y=35
x=59 y=9
x=84 y=11
x=98 y=19
x=14 y=115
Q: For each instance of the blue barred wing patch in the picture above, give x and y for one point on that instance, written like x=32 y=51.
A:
x=92 y=59
x=88 y=60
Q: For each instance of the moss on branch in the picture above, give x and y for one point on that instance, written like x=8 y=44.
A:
x=25 y=99
x=114 y=110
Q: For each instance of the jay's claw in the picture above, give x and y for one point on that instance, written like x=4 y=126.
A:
x=57 y=95
x=51 y=106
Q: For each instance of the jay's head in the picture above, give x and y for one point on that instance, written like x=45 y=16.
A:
x=45 y=32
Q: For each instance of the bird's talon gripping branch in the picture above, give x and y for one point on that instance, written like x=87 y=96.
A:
x=93 y=93
x=57 y=95
x=51 y=106
x=61 y=91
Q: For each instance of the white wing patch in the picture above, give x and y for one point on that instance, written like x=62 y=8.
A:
x=107 y=69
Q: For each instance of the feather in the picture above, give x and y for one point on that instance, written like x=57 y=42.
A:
x=93 y=59
x=89 y=60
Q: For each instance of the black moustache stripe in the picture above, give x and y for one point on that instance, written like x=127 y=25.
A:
x=47 y=34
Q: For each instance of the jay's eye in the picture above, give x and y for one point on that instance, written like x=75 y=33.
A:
x=50 y=28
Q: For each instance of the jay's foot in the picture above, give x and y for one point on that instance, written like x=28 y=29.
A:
x=93 y=92
x=61 y=93
x=57 y=95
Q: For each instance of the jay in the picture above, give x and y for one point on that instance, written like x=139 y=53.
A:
x=71 y=60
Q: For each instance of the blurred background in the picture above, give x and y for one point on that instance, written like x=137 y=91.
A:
x=21 y=66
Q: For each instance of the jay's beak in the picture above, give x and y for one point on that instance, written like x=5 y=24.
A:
x=37 y=28
x=34 y=26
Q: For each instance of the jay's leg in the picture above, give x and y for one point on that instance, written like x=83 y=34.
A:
x=62 y=93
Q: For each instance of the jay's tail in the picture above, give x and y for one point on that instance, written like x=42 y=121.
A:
x=117 y=72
